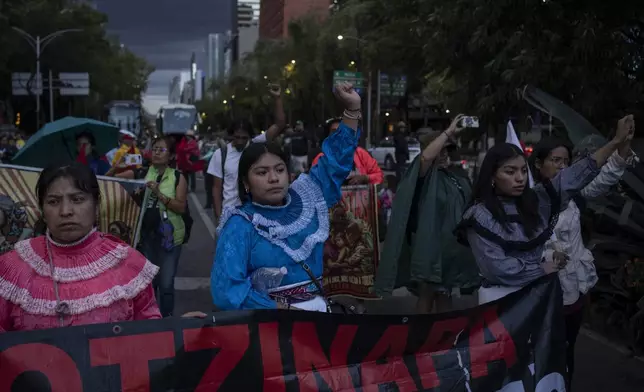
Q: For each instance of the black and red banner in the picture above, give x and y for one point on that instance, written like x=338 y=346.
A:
x=513 y=345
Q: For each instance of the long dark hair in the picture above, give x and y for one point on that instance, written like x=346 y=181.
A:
x=527 y=204
x=249 y=157
x=82 y=176
x=541 y=152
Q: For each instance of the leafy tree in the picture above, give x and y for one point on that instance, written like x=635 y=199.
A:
x=115 y=72
x=478 y=53
x=306 y=84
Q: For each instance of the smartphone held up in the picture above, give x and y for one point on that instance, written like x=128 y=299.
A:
x=469 y=122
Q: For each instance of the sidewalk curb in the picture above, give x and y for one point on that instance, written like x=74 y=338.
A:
x=205 y=217
x=615 y=346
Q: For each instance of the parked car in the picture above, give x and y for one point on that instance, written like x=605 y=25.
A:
x=385 y=152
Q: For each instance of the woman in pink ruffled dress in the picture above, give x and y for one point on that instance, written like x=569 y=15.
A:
x=73 y=275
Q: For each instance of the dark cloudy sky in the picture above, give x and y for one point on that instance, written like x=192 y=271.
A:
x=167 y=32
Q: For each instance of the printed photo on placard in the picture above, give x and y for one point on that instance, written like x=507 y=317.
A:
x=351 y=252
x=20 y=216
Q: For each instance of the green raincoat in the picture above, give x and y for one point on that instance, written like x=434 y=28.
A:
x=435 y=256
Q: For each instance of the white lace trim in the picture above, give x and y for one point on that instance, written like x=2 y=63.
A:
x=40 y=306
x=288 y=201
x=313 y=203
x=77 y=242
x=26 y=252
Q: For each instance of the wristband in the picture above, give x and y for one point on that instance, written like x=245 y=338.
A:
x=352 y=115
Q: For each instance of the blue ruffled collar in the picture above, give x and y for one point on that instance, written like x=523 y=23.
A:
x=297 y=226
x=288 y=202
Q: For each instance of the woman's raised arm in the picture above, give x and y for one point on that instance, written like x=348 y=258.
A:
x=338 y=149
x=574 y=178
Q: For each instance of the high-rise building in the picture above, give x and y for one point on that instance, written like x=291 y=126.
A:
x=254 y=4
x=275 y=15
x=182 y=90
x=245 y=15
x=174 y=95
x=247 y=28
x=248 y=37
x=215 y=56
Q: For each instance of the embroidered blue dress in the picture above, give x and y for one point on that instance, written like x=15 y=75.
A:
x=253 y=236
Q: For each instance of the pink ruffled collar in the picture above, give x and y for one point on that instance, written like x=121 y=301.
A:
x=91 y=273
x=84 y=259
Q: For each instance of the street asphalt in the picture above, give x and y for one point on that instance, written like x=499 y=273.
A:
x=602 y=366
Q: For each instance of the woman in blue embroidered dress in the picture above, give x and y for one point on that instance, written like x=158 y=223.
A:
x=278 y=226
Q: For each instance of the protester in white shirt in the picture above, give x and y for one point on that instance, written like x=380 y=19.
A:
x=578 y=274
x=224 y=190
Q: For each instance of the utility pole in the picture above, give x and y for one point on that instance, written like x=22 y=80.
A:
x=39 y=44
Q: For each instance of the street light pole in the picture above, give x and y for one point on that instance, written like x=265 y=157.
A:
x=39 y=44
x=38 y=78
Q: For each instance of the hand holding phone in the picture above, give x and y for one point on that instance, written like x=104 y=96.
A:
x=133 y=159
x=274 y=89
x=469 y=122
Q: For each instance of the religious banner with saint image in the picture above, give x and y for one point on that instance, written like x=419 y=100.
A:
x=351 y=252
x=20 y=216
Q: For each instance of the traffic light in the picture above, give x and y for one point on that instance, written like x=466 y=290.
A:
x=18 y=119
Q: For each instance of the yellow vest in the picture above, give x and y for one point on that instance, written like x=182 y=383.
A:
x=168 y=189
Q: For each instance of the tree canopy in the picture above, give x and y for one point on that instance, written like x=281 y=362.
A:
x=473 y=55
x=114 y=71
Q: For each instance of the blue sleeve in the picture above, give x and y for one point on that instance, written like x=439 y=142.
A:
x=336 y=163
x=229 y=279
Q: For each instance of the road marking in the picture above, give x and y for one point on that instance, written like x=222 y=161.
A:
x=189 y=284
x=607 y=342
x=205 y=217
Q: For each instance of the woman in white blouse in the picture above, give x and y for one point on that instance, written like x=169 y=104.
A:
x=566 y=245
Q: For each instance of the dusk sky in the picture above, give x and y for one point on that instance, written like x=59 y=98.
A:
x=166 y=33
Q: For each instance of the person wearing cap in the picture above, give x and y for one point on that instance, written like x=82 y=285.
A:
x=128 y=147
x=112 y=153
x=420 y=249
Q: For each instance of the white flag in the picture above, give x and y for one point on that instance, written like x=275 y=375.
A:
x=512 y=138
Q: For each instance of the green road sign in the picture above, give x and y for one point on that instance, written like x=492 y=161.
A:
x=393 y=86
x=347 y=76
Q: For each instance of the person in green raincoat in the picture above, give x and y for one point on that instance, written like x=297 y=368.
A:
x=420 y=250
